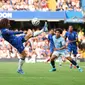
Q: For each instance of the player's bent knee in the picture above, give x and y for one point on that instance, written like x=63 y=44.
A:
x=23 y=58
x=53 y=58
x=24 y=53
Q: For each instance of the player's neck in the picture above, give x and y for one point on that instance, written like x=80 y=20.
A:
x=70 y=31
x=58 y=36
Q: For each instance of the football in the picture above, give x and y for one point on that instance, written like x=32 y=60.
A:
x=35 y=21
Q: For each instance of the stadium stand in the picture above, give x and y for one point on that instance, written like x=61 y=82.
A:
x=40 y=5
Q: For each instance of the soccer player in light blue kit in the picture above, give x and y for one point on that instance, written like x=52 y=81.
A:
x=72 y=37
x=51 y=43
x=17 y=41
x=60 y=50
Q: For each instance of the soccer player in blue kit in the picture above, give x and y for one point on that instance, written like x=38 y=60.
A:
x=51 y=43
x=17 y=41
x=72 y=37
x=60 y=50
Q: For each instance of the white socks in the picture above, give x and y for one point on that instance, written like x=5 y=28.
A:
x=60 y=61
x=37 y=33
x=21 y=62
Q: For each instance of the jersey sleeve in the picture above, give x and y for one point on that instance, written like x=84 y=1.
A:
x=63 y=42
x=10 y=32
x=49 y=37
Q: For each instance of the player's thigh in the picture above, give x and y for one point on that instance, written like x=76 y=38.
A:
x=51 y=52
x=23 y=53
x=66 y=55
x=20 y=47
x=69 y=49
x=29 y=34
x=55 y=55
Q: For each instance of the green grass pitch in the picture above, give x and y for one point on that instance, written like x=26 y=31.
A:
x=38 y=74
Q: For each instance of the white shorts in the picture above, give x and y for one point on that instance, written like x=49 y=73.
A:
x=61 y=54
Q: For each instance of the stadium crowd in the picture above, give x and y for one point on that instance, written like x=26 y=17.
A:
x=37 y=47
x=68 y=5
x=39 y=5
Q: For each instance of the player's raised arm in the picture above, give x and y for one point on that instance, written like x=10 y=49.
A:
x=10 y=32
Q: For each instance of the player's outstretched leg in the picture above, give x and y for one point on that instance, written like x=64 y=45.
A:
x=44 y=29
x=33 y=34
x=29 y=35
x=74 y=63
x=75 y=59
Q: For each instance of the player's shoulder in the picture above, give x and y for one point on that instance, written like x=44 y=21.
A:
x=49 y=35
x=61 y=38
x=67 y=33
x=74 y=32
x=54 y=36
x=5 y=31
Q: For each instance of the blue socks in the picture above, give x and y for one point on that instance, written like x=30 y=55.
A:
x=52 y=64
x=74 y=63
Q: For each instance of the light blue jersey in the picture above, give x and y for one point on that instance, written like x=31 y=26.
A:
x=59 y=42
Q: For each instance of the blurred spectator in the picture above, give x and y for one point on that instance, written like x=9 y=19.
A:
x=39 y=5
x=64 y=32
x=44 y=5
x=68 y=5
x=80 y=35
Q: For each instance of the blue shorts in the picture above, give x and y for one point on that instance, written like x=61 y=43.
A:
x=72 y=49
x=51 y=50
x=18 y=43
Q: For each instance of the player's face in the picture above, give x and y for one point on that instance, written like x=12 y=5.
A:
x=57 y=34
x=52 y=31
x=70 y=28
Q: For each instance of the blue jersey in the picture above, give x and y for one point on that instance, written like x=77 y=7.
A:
x=50 y=38
x=71 y=36
x=59 y=42
x=15 y=41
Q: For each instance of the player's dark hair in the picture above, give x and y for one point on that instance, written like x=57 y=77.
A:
x=4 y=23
x=59 y=29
